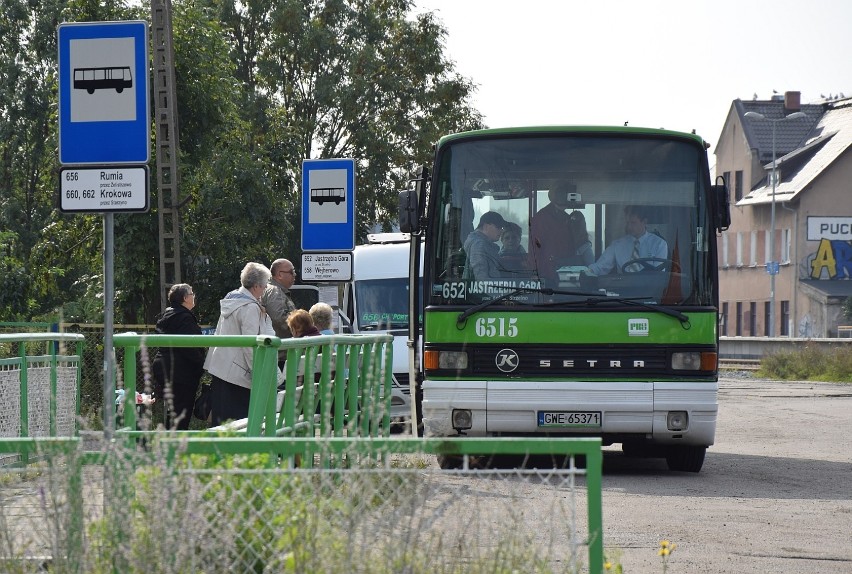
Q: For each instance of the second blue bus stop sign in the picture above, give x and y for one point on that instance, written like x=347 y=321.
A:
x=328 y=205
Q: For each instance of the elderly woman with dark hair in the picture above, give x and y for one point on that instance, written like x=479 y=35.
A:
x=178 y=370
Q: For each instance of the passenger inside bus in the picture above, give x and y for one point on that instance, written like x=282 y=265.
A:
x=513 y=256
x=551 y=244
x=481 y=248
x=638 y=250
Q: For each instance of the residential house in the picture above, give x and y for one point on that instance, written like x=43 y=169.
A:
x=809 y=223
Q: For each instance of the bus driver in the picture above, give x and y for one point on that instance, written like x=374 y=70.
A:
x=638 y=243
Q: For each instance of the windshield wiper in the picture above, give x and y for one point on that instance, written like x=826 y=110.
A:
x=477 y=308
x=635 y=301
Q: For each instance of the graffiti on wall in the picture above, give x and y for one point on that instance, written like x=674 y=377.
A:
x=832 y=260
x=833 y=256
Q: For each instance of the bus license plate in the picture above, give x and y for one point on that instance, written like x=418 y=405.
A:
x=569 y=419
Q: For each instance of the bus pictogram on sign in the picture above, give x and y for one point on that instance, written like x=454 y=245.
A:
x=107 y=78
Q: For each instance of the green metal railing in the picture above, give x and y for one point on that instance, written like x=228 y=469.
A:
x=335 y=407
x=25 y=364
x=334 y=384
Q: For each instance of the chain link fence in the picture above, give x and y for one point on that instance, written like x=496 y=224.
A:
x=184 y=505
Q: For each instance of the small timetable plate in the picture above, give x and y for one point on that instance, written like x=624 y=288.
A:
x=569 y=419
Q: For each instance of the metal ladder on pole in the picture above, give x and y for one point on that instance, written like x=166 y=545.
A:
x=168 y=178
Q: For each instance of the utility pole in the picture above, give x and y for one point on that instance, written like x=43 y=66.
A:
x=166 y=148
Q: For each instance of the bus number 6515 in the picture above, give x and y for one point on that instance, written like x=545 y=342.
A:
x=497 y=327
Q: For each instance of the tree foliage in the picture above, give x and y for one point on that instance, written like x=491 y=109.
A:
x=261 y=86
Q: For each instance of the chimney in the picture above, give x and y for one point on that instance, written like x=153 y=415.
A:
x=792 y=102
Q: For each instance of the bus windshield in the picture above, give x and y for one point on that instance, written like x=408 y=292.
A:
x=570 y=218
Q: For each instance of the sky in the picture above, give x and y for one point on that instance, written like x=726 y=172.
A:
x=674 y=64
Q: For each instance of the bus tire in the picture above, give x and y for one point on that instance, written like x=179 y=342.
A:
x=686 y=458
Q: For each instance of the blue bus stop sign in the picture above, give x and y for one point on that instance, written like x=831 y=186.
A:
x=328 y=205
x=104 y=109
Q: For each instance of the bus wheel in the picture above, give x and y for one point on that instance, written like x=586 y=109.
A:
x=686 y=458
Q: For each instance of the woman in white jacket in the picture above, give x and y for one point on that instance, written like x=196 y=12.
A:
x=230 y=367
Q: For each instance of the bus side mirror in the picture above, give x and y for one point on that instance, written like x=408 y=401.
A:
x=409 y=201
x=408 y=211
x=722 y=206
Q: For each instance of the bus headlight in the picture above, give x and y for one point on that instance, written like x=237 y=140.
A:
x=686 y=361
x=694 y=361
x=454 y=360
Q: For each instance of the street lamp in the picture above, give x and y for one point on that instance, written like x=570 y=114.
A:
x=772 y=264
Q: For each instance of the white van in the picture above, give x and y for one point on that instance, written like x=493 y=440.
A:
x=376 y=301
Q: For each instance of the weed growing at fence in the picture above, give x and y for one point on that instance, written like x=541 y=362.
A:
x=808 y=364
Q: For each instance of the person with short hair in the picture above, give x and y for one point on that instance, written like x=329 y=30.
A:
x=481 y=249
x=301 y=324
x=550 y=245
x=277 y=302
x=513 y=256
x=231 y=367
x=637 y=243
x=177 y=370
x=322 y=314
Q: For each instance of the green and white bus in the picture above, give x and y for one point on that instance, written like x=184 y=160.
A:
x=555 y=341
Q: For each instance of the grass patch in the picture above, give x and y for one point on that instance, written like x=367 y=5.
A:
x=809 y=364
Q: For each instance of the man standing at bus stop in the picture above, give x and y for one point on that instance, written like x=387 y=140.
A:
x=277 y=302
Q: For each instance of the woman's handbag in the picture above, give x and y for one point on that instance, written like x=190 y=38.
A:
x=204 y=403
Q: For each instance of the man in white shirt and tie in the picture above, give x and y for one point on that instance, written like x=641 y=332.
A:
x=637 y=244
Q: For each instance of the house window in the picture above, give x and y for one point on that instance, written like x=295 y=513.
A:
x=767 y=310
x=725 y=236
x=739 y=319
x=786 y=241
x=723 y=320
x=752 y=319
x=739 y=249
x=738 y=185
x=785 y=318
x=752 y=249
x=727 y=177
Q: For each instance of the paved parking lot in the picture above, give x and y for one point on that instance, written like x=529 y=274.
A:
x=775 y=493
